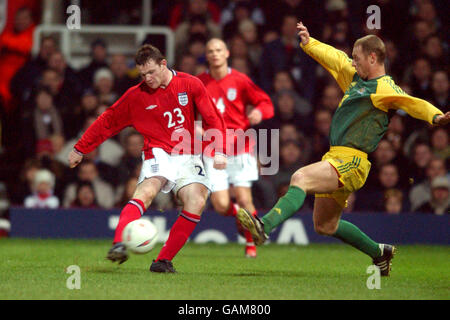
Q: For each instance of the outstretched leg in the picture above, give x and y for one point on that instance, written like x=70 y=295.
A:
x=326 y=217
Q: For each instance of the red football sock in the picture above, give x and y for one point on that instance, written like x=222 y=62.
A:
x=248 y=235
x=133 y=210
x=180 y=232
x=232 y=211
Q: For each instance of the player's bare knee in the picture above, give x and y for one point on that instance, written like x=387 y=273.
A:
x=146 y=195
x=196 y=202
x=298 y=179
x=324 y=229
x=221 y=207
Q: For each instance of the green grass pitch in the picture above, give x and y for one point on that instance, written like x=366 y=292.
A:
x=36 y=269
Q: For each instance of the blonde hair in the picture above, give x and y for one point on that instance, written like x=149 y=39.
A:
x=372 y=43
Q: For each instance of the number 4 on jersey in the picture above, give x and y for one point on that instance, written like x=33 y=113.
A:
x=220 y=105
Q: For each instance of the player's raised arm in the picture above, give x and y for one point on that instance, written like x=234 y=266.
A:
x=263 y=106
x=333 y=60
x=108 y=124
x=391 y=96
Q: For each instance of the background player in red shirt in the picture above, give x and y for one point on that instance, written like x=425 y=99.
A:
x=165 y=103
x=232 y=92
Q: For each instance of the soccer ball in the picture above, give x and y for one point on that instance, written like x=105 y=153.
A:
x=140 y=236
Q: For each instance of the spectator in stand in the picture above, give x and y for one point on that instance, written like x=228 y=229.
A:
x=43 y=186
x=291 y=156
x=414 y=41
x=289 y=131
x=285 y=112
x=195 y=25
x=374 y=200
x=241 y=12
x=187 y=63
x=421 y=156
x=99 y=53
x=132 y=158
x=24 y=185
x=440 y=86
x=284 y=84
x=396 y=132
x=421 y=192
x=29 y=75
x=282 y=80
x=186 y=9
x=256 y=14
x=120 y=71
x=420 y=79
x=320 y=143
x=15 y=48
x=434 y=51
x=85 y=196
x=439 y=203
x=331 y=97
x=47 y=120
x=88 y=107
x=384 y=154
x=242 y=65
x=196 y=47
x=249 y=32
x=288 y=56
x=440 y=144
x=88 y=171
x=239 y=50
x=393 y=201
x=426 y=12
x=103 y=85
x=395 y=65
x=312 y=13
x=126 y=191
x=66 y=89
x=106 y=172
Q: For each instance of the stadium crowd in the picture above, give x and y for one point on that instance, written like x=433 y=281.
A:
x=46 y=104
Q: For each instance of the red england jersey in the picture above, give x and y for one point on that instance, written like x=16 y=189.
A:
x=232 y=94
x=159 y=115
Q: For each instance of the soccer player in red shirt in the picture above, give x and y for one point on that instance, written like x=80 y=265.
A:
x=162 y=106
x=232 y=91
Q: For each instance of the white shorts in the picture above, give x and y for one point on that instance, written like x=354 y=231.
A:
x=179 y=170
x=241 y=170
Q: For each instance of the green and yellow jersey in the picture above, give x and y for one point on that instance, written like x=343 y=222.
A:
x=361 y=119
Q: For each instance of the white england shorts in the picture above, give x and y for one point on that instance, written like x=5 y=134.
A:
x=241 y=171
x=179 y=170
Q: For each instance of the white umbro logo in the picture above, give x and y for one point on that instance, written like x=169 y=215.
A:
x=150 y=107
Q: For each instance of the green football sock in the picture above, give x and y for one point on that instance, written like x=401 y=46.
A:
x=285 y=208
x=351 y=234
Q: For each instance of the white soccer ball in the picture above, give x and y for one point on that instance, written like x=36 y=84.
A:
x=140 y=236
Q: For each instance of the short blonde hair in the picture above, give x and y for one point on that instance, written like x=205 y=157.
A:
x=372 y=43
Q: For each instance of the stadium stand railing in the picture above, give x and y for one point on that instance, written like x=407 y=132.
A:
x=75 y=43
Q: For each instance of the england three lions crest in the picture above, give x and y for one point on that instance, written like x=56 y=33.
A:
x=183 y=98
x=231 y=94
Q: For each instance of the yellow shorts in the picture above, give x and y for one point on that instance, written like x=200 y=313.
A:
x=352 y=167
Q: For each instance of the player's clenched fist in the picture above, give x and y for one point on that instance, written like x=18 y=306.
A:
x=443 y=119
x=220 y=162
x=303 y=33
x=74 y=158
